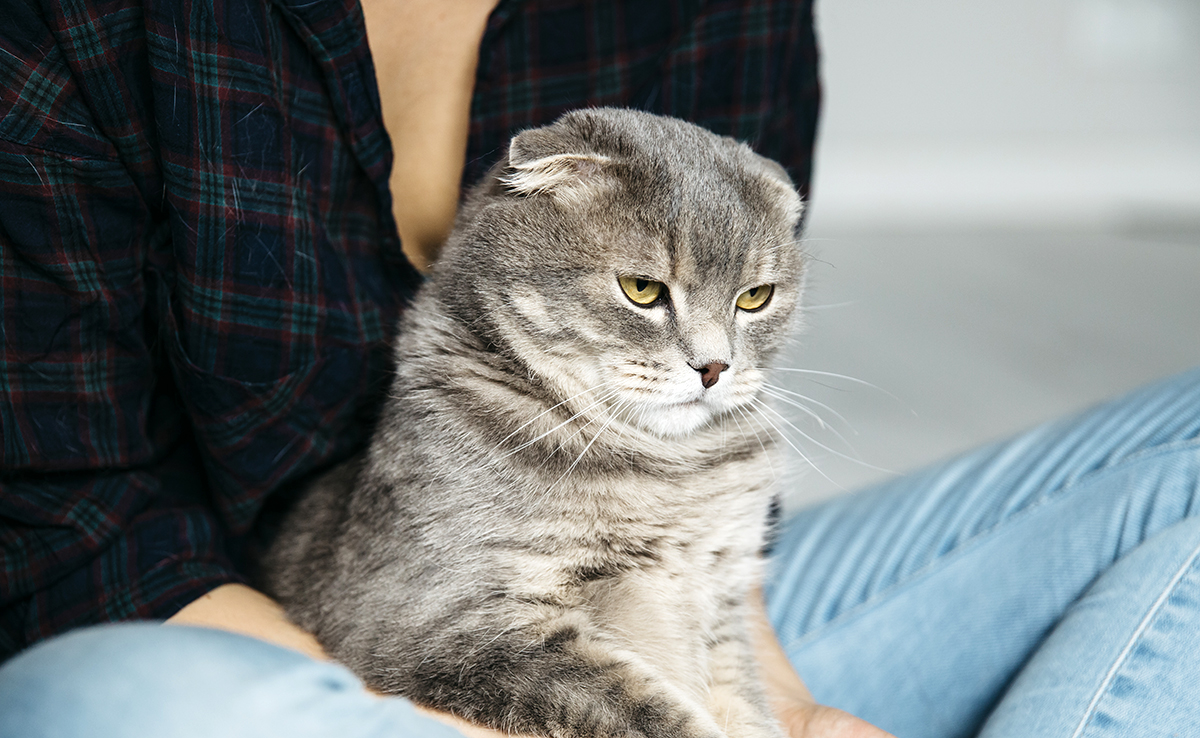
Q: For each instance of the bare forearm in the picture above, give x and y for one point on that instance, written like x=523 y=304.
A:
x=780 y=679
x=791 y=701
x=240 y=609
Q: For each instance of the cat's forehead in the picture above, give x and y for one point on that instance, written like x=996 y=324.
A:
x=699 y=231
x=711 y=207
x=693 y=246
x=638 y=194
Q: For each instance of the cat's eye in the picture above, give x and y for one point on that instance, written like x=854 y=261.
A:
x=755 y=298
x=643 y=292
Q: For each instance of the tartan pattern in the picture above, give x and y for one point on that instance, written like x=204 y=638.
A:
x=199 y=271
x=742 y=68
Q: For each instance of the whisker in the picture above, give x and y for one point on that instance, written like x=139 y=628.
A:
x=611 y=418
x=818 y=403
x=603 y=398
x=770 y=392
x=828 y=306
x=824 y=425
x=758 y=438
x=773 y=393
x=549 y=409
x=807 y=460
x=532 y=441
x=818 y=443
x=621 y=431
x=841 y=376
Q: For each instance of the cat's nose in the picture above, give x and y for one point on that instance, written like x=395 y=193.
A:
x=710 y=373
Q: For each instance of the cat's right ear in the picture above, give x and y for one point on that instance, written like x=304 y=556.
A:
x=535 y=167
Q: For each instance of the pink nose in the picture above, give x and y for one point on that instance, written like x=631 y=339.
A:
x=710 y=373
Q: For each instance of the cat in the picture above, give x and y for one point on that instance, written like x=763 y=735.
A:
x=558 y=521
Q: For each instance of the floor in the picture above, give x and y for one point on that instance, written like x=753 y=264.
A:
x=955 y=339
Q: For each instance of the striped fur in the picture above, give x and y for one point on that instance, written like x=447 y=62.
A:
x=556 y=526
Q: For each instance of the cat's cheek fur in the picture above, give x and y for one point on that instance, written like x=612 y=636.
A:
x=531 y=305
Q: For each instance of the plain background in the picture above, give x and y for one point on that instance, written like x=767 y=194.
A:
x=1005 y=224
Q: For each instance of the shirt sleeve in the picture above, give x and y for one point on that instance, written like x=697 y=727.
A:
x=102 y=514
x=741 y=68
x=81 y=549
x=199 y=279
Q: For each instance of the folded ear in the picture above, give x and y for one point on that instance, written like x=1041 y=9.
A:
x=537 y=164
x=778 y=184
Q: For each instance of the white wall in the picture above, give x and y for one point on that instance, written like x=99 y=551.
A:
x=1006 y=224
x=1017 y=112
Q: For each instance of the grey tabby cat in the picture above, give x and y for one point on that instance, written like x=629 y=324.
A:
x=561 y=513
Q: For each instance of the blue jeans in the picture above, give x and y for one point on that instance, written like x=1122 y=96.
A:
x=1046 y=586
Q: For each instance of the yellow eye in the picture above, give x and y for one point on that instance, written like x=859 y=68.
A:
x=755 y=297
x=644 y=292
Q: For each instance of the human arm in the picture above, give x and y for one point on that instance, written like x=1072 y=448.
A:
x=792 y=703
x=177 y=346
x=240 y=609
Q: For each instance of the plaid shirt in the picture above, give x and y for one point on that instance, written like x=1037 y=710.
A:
x=199 y=269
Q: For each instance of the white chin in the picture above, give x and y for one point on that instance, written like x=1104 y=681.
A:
x=674 y=420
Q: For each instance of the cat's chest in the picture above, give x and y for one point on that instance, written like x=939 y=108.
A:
x=698 y=524
x=693 y=503
x=668 y=612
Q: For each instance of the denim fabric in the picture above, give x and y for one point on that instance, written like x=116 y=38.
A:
x=1045 y=586
x=145 y=679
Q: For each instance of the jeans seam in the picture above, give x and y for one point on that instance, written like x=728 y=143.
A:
x=967 y=545
x=1140 y=631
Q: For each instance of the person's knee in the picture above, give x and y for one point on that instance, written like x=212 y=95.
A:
x=157 y=680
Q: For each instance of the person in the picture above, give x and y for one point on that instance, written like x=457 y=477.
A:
x=209 y=217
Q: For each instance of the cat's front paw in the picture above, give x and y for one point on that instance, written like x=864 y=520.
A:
x=762 y=729
x=665 y=715
x=701 y=727
x=741 y=718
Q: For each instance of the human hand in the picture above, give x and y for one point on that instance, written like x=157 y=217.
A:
x=240 y=609
x=793 y=705
x=806 y=719
x=468 y=729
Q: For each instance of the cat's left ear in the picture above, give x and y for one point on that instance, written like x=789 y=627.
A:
x=781 y=189
x=534 y=167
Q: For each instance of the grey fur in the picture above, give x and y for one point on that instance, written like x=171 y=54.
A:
x=556 y=525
